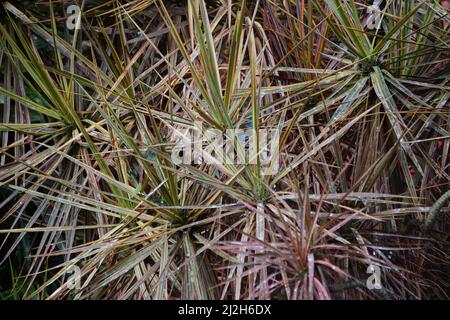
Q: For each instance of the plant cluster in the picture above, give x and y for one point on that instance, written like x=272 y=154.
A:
x=93 y=207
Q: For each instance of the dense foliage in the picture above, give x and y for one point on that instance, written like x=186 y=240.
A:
x=90 y=117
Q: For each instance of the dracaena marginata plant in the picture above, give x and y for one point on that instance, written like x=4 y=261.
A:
x=93 y=205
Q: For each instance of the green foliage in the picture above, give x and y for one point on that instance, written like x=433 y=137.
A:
x=90 y=118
